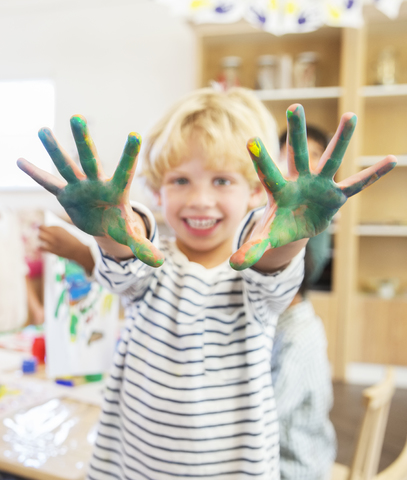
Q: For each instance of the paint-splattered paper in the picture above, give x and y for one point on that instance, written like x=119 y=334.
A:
x=81 y=317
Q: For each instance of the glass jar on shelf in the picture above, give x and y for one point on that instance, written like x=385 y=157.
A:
x=267 y=72
x=305 y=70
x=386 y=67
x=230 y=72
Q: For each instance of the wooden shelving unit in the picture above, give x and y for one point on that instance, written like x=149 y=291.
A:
x=368 y=160
x=370 y=237
x=383 y=90
x=283 y=94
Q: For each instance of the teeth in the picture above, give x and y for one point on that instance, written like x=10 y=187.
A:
x=202 y=224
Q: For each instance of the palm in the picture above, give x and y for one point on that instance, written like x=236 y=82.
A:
x=86 y=204
x=96 y=204
x=305 y=208
x=303 y=204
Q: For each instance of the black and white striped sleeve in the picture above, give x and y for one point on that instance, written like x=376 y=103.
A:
x=269 y=294
x=129 y=277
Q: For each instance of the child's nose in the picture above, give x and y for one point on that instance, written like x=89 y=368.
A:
x=201 y=196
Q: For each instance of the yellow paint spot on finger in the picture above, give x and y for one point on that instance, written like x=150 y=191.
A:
x=254 y=148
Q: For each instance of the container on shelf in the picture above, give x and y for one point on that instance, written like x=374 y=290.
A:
x=387 y=289
x=267 y=72
x=386 y=67
x=230 y=73
x=286 y=71
x=305 y=70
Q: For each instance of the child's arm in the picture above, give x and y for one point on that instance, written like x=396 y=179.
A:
x=58 y=241
x=96 y=204
x=303 y=204
x=34 y=303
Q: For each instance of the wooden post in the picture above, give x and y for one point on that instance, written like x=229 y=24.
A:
x=346 y=244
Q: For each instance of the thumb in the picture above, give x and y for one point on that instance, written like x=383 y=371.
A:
x=146 y=252
x=248 y=254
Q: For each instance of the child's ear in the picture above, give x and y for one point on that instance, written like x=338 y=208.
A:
x=257 y=197
x=157 y=198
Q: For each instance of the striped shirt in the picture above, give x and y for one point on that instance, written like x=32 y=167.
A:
x=190 y=392
x=303 y=391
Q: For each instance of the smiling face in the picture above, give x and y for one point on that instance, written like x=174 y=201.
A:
x=205 y=206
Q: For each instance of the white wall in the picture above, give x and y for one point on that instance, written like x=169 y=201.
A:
x=120 y=63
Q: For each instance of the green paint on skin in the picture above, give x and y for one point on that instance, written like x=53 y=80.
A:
x=334 y=162
x=95 y=206
x=123 y=171
x=297 y=139
x=362 y=184
x=305 y=208
x=248 y=255
x=147 y=255
x=57 y=156
x=266 y=169
x=85 y=146
x=97 y=214
x=144 y=251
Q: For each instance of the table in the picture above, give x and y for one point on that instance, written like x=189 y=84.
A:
x=45 y=434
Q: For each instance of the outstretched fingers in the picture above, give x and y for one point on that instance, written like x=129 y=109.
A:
x=88 y=155
x=363 y=179
x=127 y=166
x=65 y=165
x=332 y=157
x=269 y=175
x=297 y=145
x=51 y=183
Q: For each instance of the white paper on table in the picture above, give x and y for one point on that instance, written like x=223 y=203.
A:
x=80 y=315
x=11 y=360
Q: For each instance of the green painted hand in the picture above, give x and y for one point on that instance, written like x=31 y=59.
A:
x=96 y=204
x=303 y=204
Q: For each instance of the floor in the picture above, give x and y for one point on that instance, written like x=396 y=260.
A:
x=347 y=414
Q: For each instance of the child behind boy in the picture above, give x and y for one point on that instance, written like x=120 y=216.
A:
x=299 y=365
x=190 y=391
x=303 y=389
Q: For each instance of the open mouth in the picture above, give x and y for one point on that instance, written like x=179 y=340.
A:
x=201 y=223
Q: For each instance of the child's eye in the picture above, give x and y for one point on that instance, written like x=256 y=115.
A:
x=180 y=181
x=221 y=181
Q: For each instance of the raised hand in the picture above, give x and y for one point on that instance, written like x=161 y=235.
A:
x=96 y=204
x=303 y=204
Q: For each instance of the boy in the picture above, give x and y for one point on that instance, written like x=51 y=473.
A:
x=190 y=391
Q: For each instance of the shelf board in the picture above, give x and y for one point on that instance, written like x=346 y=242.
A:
x=381 y=230
x=369 y=160
x=299 y=93
x=374 y=297
x=384 y=90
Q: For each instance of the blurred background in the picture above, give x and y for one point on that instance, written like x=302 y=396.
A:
x=122 y=63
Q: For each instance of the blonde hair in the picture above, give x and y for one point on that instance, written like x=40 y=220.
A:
x=222 y=121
